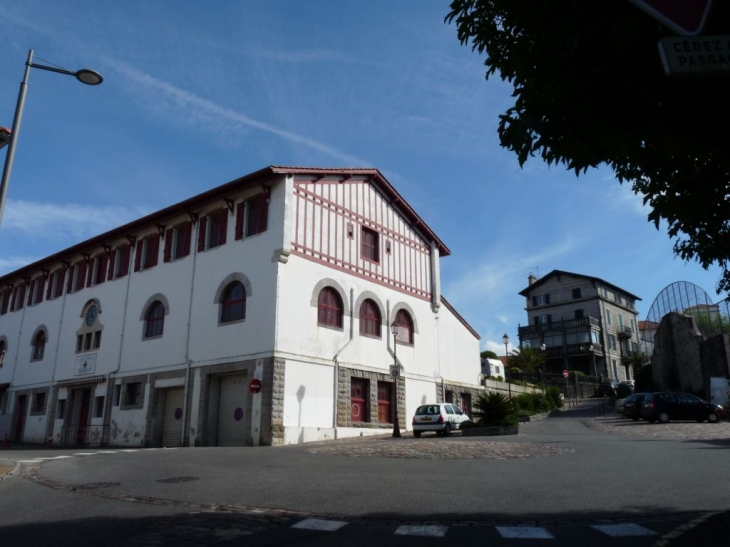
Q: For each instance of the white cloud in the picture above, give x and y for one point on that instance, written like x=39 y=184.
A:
x=64 y=221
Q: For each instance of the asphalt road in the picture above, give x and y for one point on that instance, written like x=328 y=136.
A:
x=577 y=484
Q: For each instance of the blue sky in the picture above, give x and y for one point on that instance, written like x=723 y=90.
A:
x=199 y=93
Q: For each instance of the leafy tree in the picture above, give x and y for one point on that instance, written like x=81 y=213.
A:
x=488 y=355
x=589 y=89
x=638 y=361
x=527 y=358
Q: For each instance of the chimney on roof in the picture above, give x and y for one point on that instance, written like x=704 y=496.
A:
x=531 y=279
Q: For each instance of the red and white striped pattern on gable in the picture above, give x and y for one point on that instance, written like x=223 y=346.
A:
x=330 y=214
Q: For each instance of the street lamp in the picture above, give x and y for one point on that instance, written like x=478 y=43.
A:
x=396 y=425
x=505 y=339
x=543 y=350
x=85 y=76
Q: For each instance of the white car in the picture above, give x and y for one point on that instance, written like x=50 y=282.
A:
x=441 y=418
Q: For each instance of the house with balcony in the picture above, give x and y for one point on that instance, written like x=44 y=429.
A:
x=581 y=323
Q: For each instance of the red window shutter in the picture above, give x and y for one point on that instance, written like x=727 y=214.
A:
x=223 y=228
x=41 y=285
x=101 y=272
x=31 y=292
x=124 y=256
x=138 y=255
x=168 y=244
x=51 y=277
x=81 y=277
x=155 y=251
x=70 y=281
x=239 y=220
x=110 y=264
x=201 y=233
x=89 y=272
x=61 y=277
x=264 y=205
x=187 y=233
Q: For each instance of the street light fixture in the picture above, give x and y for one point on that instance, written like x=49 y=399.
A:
x=505 y=339
x=85 y=76
x=396 y=425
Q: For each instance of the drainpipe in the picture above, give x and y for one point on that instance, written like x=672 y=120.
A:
x=337 y=363
x=189 y=362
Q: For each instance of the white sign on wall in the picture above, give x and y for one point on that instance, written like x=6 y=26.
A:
x=85 y=364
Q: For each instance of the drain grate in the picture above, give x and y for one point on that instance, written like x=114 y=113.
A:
x=96 y=485
x=173 y=480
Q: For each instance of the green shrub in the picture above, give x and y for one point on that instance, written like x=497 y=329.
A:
x=510 y=421
x=492 y=408
x=467 y=424
x=554 y=397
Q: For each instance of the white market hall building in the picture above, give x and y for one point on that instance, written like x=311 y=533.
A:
x=156 y=333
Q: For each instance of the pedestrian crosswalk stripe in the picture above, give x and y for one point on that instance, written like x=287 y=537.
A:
x=319 y=524
x=423 y=531
x=523 y=532
x=623 y=530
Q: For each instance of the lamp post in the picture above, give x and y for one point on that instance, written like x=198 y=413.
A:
x=505 y=339
x=85 y=76
x=396 y=424
x=543 y=351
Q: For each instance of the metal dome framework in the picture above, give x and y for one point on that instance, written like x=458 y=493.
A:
x=688 y=299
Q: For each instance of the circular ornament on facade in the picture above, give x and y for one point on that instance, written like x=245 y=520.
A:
x=178 y=413
x=355 y=411
x=238 y=414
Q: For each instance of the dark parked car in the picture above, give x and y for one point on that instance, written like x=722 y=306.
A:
x=667 y=406
x=609 y=388
x=632 y=406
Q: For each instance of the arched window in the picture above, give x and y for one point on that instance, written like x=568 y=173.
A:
x=329 y=308
x=369 y=318
x=233 y=303
x=405 y=327
x=39 y=345
x=154 y=320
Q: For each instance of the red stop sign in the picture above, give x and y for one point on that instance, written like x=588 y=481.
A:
x=254 y=386
x=685 y=17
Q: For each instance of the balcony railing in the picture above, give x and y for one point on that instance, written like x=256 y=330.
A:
x=558 y=326
x=574 y=349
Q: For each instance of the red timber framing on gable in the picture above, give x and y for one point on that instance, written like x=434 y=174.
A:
x=332 y=214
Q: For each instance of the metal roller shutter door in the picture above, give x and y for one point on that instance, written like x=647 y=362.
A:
x=172 y=417
x=232 y=421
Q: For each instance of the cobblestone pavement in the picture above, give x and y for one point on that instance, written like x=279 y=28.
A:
x=446 y=449
x=617 y=424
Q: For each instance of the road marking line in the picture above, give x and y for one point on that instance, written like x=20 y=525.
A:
x=423 y=531
x=85 y=453
x=527 y=532
x=319 y=524
x=30 y=461
x=130 y=450
x=623 y=530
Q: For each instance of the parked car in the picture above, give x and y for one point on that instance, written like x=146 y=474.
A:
x=629 y=384
x=632 y=406
x=442 y=418
x=607 y=388
x=665 y=406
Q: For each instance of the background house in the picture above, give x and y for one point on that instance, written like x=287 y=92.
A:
x=585 y=323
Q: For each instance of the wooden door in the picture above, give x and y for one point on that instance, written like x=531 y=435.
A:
x=22 y=408
x=358 y=398
x=385 y=396
x=83 y=417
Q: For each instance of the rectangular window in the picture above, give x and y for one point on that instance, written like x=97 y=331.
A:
x=608 y=317
x=4 y=302
x=177 y=241
x=98 y=407
x=541 y=300
x=119 y=262
x=257 y=210
x=543 y=319
x=370 y=244
x=87 y=341
x=611 y=341
x=39 y=402
x=117 y=395
x=150 y=250
x=79 y=276
x=633 y=326
x=98 y=273
x=133 y=394
x=55 y=283
x=37 y=287
x=97 y=339
x=61 y=409
x=18 y=297
x=79 y=343
x=578 y=314
x=576 y=293
x=621 y=322
x=212 y=230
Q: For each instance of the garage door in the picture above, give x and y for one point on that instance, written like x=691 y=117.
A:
x=232 y=418
x=172 y=417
